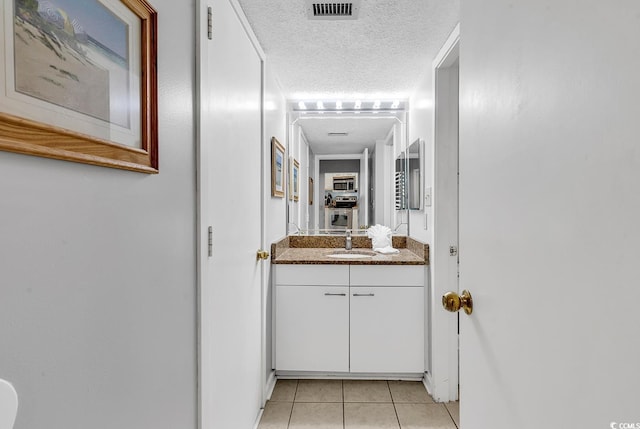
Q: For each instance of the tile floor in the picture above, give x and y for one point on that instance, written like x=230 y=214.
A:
x=350 y=404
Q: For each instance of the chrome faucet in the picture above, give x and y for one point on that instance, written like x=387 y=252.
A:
x=348 y=244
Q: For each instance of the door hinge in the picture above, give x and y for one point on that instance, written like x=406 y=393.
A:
x=453 y=251
x=209 y=23
x=210 y=241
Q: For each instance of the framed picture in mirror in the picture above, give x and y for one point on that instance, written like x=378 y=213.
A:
x=294 y=188
x=277 y=168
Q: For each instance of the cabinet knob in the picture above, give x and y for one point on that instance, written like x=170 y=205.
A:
x=262 y=255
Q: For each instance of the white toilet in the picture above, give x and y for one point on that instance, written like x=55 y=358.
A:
x=8 y=405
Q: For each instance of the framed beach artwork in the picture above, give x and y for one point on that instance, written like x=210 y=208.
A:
x=79 y=81
x=277 y=168
x=294 y=188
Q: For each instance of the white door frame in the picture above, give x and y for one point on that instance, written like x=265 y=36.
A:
x=442 y=376
x=206 y=347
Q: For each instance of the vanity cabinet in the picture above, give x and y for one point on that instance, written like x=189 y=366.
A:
x=387 y=319
x=312 y=318
x=349 y=318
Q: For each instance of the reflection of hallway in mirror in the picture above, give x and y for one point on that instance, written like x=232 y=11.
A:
x=361 y=144
x=339 y=178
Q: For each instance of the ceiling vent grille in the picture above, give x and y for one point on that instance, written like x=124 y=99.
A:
x=319 y=10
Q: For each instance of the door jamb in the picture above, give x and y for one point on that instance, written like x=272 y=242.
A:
x=442 y=378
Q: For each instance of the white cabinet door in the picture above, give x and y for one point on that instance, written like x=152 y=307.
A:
x=312 y=328
x=387 y=329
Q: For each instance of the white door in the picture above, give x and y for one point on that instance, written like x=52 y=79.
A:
x=230 y=186
x=549 y=211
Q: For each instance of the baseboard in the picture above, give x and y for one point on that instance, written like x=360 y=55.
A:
x=270 y=385
x=428 y=383
x=311 y=375
x=257 y=423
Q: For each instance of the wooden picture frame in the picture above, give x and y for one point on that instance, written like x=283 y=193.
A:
x=80 y=92
x=294 y=185
x=310 y=191
x=277 y=168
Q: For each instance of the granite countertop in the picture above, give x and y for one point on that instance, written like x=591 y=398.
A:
x=316 y=250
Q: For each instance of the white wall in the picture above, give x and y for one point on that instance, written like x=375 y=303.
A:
x=420 y=126
x=549 y=209
x=400 y=218
x=303 y=203
x=275 y=126
x=384 y=199
x=318 y=197
x=299 y=149
x=294 y=148
x=98 y=288
x=275 y=210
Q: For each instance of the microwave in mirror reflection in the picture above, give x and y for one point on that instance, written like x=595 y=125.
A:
x=344 y=183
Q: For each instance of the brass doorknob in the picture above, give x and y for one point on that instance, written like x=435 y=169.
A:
x=452 y=302
x=262 y=255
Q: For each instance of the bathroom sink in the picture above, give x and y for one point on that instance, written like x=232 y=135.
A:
x=352 y=254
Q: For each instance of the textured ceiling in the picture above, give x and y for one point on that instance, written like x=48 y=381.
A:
x=363 y=132
x=383 y=54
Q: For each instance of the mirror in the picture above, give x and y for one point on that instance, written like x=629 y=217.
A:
x=408 y=178
x=414 y=176
x=400 y=182
x=350 y=159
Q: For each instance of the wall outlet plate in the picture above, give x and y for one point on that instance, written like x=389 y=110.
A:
x=427 y=197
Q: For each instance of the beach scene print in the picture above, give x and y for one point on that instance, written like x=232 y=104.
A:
x=73 y=54
x=279 y=162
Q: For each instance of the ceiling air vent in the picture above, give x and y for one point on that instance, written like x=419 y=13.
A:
x=333 y=10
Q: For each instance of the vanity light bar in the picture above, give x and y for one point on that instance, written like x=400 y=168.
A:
x=340 y=105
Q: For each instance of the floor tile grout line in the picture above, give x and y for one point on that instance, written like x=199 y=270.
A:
x=395 y=410
x=450 y=415
x=343 y=417
x=391 y=394
x=293 y=403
